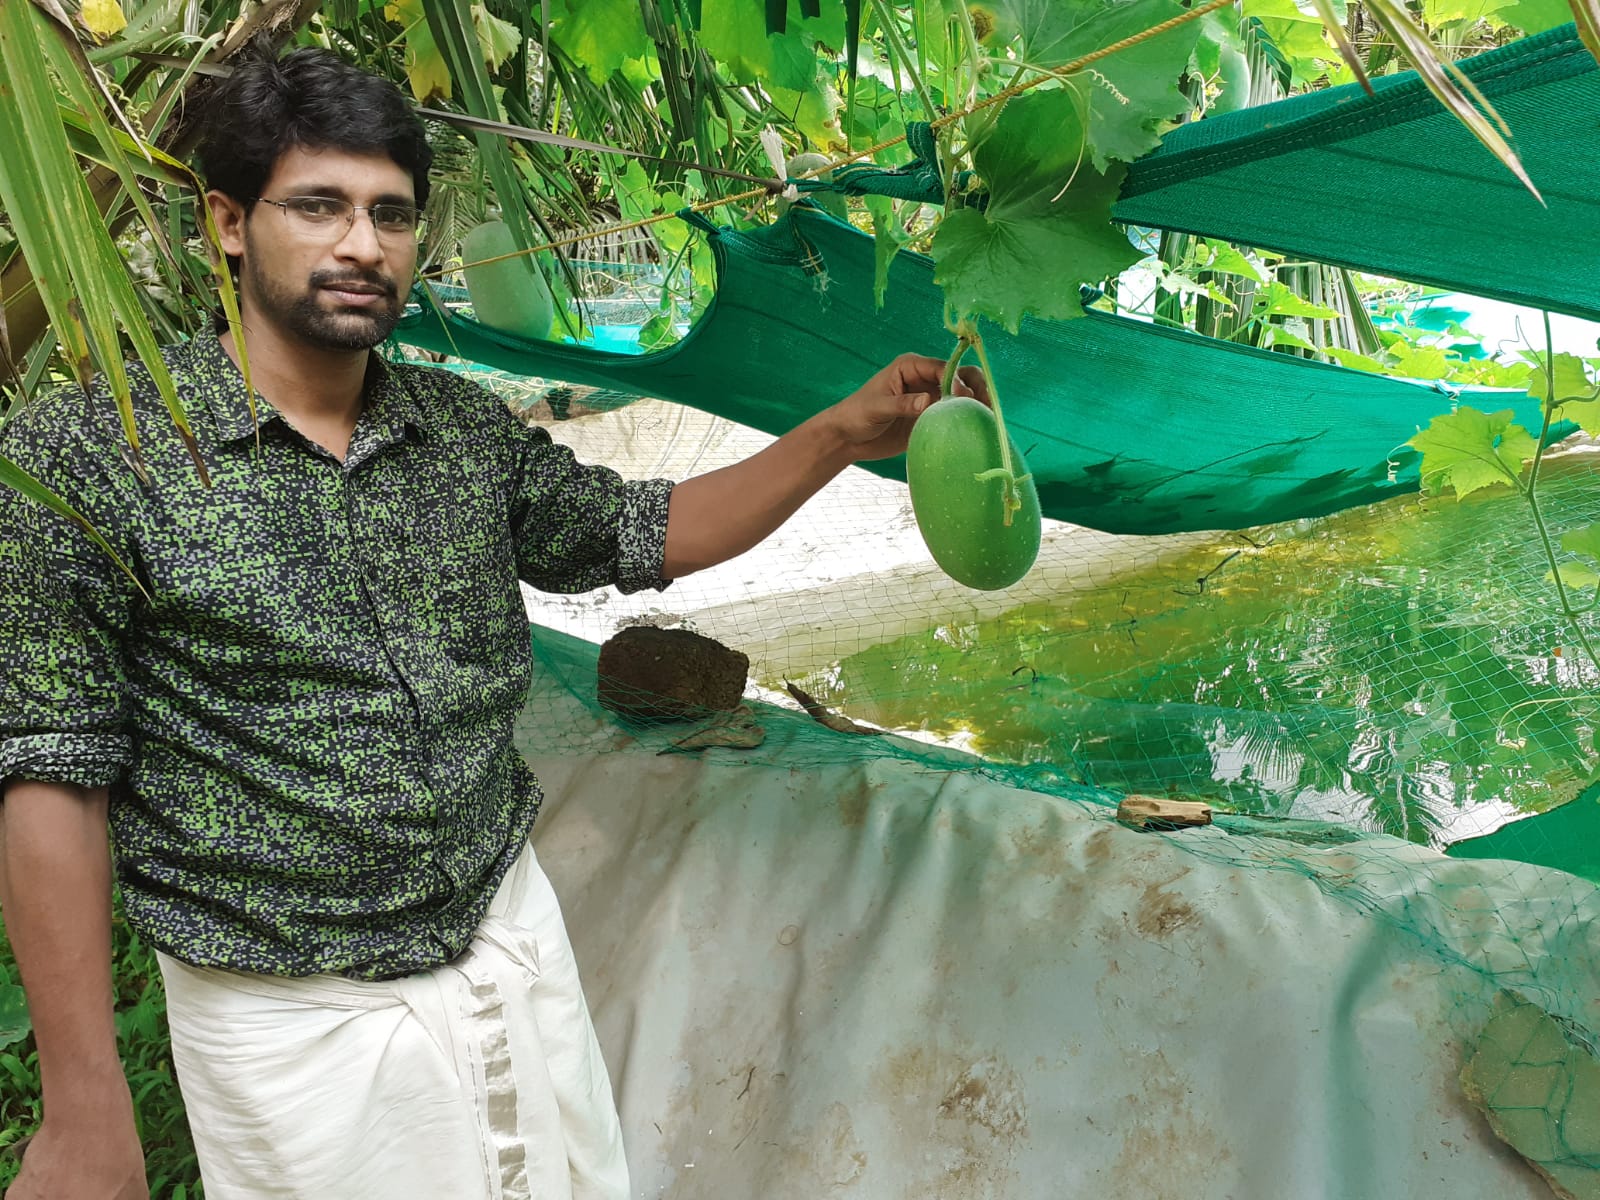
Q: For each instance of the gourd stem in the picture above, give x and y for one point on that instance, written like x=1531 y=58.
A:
x=948 y=387
x=999 y=420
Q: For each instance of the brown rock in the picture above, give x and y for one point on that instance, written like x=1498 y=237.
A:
x=650 y=674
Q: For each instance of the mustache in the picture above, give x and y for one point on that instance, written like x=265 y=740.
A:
x=333 y=279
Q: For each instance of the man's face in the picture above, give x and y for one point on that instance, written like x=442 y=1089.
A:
x=319 y=280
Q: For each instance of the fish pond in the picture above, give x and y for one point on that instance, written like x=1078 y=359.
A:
x=1402 y=667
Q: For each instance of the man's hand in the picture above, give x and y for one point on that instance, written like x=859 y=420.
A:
x=94 y=1156
x=875 y=421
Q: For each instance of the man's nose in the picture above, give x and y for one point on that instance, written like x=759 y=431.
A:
x=360 y=241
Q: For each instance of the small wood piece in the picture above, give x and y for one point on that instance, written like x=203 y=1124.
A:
x=1152 y=812
x=823 y=715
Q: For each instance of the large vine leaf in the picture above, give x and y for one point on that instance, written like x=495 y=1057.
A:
x=1535 y=16
x=1047 y=226
x=1575 y=397
x=734 y=32
x=1441 y=12
x=601 y=34
x=426 y=69
x=1130 y=92
x=1468 y=450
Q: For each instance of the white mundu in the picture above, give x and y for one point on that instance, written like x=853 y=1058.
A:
x=478 y=1080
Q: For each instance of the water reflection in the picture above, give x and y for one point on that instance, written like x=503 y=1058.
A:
x=1399 y=667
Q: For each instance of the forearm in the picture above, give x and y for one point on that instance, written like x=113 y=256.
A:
x=719 y=515
x=55 y=889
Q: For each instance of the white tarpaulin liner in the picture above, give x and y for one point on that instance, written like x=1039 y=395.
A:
x=869 y=977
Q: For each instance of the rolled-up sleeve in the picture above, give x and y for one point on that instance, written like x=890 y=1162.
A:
x=64 y=609
x=579 y=527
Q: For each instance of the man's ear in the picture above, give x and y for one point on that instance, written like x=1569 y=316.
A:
x=229 y=215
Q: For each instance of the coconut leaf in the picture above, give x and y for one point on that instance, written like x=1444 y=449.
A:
x=1335 y=28
x=86 y=283
x=17 y=479
x=1451 y=87
x=1587 y=14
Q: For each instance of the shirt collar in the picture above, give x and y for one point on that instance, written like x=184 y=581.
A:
x=390 y=409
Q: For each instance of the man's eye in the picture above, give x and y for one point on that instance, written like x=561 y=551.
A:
x=394 y=216
x=315 y=207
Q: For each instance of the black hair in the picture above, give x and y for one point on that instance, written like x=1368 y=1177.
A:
x=309 y=98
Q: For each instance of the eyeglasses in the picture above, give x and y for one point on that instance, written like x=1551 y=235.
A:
x=327 y=219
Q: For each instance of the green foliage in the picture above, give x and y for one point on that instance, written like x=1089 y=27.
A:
x=1046 y=227
x=1467 y=450
x=1130 y=93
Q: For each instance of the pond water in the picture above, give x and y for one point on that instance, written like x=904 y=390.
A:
x=1402 y=667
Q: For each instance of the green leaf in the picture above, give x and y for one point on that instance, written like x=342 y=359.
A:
x=1047 y=227
x=1443 y=12
x=1283 y=336
x=1420 y=362
x=1355 y=360
x=734 y=32
x=602 y=34
x=1298 y=36
x=1575 y=576
x=14 y=1022
x=1468 y=450
x=888 y=240
x=1585 y=541
x=1130 y=92
x=1229 y=260
x=426 y=71
x=14 y=477
x=1278 y=299
x=1576 y=396
x=1535 y=16
x=498 y=39
x=814 y=111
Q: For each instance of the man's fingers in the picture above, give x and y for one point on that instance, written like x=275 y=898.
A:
x=970 y=382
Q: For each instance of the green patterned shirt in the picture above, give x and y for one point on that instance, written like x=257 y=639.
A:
x=306 y=728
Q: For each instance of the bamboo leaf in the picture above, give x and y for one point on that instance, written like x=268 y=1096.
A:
x=82 y=102
x=1335 y=28
x=40 y=174
x=16 y=478
x=1587 y=15
x=80 y=275
x=1451 y=87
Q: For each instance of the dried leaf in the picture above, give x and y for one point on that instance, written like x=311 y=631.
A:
x=736 y=730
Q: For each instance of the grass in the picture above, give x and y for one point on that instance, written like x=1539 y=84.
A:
x=170 y=1163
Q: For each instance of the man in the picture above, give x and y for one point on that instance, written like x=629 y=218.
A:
x=298 y=721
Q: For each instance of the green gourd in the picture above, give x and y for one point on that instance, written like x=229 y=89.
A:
x=962 y=517
x=509 y=295
x=1233 y=81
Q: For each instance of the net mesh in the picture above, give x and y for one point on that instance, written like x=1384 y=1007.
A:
x=1350 y=693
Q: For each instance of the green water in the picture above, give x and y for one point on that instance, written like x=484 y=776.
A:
x=1401 y=667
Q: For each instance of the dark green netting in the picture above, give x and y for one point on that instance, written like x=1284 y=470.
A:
x=1127 y=427
x=1567 y=838
x=1394 y=184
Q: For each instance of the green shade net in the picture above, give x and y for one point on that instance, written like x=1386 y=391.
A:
x=1127 y=427
x=1393 y=183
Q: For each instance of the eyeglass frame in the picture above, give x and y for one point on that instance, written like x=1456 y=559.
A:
x=285 y=206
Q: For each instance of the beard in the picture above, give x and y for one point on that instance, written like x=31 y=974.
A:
x=309 y=313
